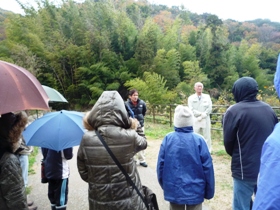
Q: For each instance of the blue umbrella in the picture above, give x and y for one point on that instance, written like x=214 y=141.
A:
x=56 y=130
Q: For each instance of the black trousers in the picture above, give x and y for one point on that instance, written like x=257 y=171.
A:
x=58 y=191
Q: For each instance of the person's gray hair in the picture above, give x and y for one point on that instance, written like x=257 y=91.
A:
x=198 y=83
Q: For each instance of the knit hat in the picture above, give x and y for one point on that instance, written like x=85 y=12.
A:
x=183 y=116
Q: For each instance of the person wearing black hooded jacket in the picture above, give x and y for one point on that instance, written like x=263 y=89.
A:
x=246 y=125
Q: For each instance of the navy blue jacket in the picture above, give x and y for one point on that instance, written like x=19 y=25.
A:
x=246 y=125
x=139 y=110
x=56 y=165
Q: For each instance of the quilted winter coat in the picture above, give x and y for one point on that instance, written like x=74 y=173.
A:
x=12 y=189
x=108 y=187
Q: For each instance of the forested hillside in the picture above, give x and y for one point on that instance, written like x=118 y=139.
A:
x=82 y=49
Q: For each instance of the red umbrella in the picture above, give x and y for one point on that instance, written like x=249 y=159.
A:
x=20 y=90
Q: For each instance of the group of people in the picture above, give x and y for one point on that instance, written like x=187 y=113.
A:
x=122 y=131
x=184 y=166
x=250 y=129
x=109 y=117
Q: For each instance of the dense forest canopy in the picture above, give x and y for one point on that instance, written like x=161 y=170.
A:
x=82 y=49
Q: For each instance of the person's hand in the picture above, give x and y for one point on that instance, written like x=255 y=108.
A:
x=199 y=118
x=134 y=123
x=203 y=115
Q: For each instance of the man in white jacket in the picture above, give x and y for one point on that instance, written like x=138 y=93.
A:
x=201 y=106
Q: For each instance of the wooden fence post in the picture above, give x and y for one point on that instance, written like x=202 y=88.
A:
x=170 y=115
x=154 y=115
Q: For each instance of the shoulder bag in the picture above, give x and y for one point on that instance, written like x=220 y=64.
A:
x=44 y=179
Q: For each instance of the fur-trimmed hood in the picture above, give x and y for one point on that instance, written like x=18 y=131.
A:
x=11 y=127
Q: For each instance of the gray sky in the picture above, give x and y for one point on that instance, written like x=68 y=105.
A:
x=240 y=10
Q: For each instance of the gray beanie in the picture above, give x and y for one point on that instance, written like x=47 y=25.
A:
x=183 y=116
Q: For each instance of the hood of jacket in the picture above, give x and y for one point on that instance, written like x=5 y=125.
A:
x=108 y=110
x=277 y=77
x=245 y=89
x=187 y=129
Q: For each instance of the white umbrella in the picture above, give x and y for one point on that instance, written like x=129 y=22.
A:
x=54 y=95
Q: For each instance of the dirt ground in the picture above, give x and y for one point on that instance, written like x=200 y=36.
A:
x=223 y=179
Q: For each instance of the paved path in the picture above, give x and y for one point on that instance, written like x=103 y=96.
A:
x=78 y=194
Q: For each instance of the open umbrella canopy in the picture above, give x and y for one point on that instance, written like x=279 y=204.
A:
x=54 y=95
x=56 y=130
x=20 y=90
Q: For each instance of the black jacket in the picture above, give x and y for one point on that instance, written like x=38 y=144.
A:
x=56 y=165
x=246 y=126
x=139 y=110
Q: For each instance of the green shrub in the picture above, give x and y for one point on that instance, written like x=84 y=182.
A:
x=157 y=131
x=32 y=160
